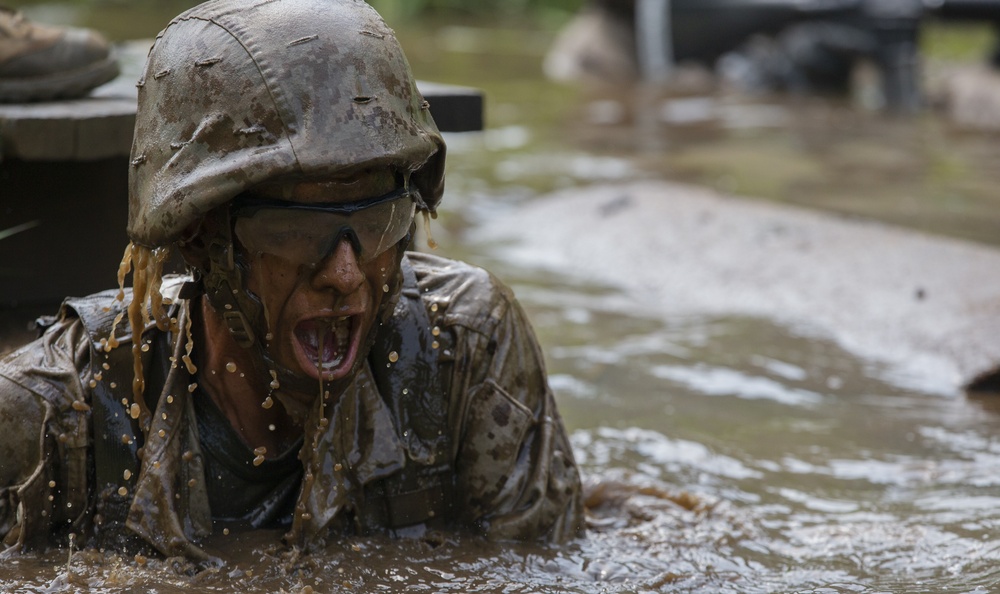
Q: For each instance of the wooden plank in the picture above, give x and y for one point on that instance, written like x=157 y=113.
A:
x=454 y=108
x=100 y=126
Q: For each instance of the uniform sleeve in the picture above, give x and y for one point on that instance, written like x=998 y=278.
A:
x=43 y=438
x=517 y=478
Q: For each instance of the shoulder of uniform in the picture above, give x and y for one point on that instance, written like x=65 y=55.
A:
x=99 y=310
x=460 y=292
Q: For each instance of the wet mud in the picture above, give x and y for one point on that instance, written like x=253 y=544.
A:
x=927 y=306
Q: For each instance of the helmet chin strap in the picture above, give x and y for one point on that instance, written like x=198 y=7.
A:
x=243 y=312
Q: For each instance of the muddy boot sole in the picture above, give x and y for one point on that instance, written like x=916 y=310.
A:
x=69 y=84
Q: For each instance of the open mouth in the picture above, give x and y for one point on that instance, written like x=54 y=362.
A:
x=324 y=345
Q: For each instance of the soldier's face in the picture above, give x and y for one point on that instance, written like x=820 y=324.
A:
x=319 y=313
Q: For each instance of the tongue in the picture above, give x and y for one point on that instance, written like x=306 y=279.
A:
x=320 y=341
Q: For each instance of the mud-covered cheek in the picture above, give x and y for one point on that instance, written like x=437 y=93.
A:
x=381 y=273
x=271 y=282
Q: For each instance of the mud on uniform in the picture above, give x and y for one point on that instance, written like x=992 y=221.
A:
x=479 y=445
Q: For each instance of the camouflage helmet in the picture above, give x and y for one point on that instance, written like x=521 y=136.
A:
x=237 y=92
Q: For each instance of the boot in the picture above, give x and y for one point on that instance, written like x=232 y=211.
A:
x=40 y=63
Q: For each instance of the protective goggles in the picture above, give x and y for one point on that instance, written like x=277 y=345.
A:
x=306 y=234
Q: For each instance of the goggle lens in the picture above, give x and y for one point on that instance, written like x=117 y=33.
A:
x=305 y=234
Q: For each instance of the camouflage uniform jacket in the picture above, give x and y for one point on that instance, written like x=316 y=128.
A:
x=504 y=451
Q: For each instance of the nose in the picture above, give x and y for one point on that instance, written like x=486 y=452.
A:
x=340 y=271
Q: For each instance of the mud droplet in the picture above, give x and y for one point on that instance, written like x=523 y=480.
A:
x=260 y=451
x=134 y=411
x=52 y=484
x=267 y=404
x=231 y=367
x=170 y=400
x=338 y=467
x=122 y=491
x=225 y=531
x=434 y=306
x=161 y=433
x=436 y=331
x=271 y=427
x=192 y=387
x=144 y=348
x=435 y=344
x=393 y=357
x=127 y=474
x=93 y=383
x=385 y=288
x=192 y=482
x=80 y=405
x=258 y=460
x=114 y=385
x=105 y=366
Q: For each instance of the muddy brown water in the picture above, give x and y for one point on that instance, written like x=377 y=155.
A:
x=721 y=454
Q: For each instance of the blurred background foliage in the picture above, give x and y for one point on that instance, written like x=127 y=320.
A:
x=138 y=19
x=551 y=11
x=145 y=17
x=133 y=19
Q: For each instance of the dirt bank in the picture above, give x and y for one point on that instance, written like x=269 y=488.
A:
x=926 y=307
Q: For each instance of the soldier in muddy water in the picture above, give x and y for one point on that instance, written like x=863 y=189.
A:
x=309 y=374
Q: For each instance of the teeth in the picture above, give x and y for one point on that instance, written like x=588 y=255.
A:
x=326 y=340
x=338 y=325
x=341 y=335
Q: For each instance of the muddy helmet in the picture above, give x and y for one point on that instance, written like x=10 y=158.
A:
x=238 y=92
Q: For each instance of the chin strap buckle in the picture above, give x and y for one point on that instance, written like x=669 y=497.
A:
x=239 y=328
x=218 y=284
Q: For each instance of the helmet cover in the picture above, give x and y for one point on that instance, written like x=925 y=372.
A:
x=239 y=92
